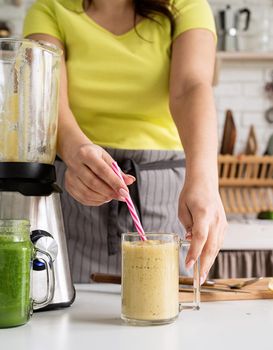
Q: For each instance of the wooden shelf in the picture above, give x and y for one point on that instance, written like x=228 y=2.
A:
x=223 y=57
x=246 y=56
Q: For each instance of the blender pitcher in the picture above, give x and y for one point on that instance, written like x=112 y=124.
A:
x=29 y=91
x=29 y=85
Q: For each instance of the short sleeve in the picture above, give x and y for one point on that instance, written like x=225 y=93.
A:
x=192 y=14
x=41 y=19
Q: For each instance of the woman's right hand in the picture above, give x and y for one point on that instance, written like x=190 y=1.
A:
x=90 y=179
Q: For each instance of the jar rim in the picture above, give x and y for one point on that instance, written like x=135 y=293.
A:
x=14 y=223
x=151 y=234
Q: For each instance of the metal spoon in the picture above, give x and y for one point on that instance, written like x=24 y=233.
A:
x=240 y=284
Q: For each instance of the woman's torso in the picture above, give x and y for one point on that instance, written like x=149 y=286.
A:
x=118 y=85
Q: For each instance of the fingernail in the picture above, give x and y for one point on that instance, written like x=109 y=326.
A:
x=189 y=264
x=131 y=177
x=130 y=181
x=122 y=199
x=203 y=278
x=123 y=193
x=188 y=235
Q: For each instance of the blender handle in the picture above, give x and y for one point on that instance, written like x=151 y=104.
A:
x=222 y=20
x=50 y=281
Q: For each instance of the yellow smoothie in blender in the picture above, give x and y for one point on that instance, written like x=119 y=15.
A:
x=150 y=280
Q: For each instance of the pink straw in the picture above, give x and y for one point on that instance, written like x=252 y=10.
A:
x=130 y=205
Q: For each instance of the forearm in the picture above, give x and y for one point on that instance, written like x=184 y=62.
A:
x=195 y=117
x=70 y=136
x=192 y=106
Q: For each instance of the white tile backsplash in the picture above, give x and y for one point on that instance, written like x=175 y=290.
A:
x=241 y=103
x=228 y=89
x=252 y=118
x=253 y=89
x=242 y=74
x=241 y=84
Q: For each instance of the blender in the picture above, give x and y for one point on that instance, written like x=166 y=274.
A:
x=29 y=92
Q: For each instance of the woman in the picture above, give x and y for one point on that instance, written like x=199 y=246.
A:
x=136 y=83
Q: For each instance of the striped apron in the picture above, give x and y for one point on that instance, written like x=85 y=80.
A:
x=93 y=233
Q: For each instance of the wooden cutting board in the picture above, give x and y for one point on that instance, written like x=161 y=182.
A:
x=251 y=143
x=259 y=290
x=229 y=135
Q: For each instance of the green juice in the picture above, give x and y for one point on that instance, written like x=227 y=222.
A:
x=15 y=267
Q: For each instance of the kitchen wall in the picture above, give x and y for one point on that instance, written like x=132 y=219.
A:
x=14 y=15
x=241 y=83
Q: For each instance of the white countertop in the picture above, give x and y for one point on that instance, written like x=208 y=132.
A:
x=93 y=322
x=249 y=235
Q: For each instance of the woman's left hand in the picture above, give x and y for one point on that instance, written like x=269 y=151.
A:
x=203 y=216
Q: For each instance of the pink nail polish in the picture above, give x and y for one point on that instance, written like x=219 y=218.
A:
x=203 y=278
x=188 y=236
x=189 y=264
x=123 y=193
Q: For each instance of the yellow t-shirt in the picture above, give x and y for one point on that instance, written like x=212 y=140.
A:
x=118 y=84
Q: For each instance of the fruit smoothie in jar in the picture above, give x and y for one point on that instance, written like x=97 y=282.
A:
x=150 y=279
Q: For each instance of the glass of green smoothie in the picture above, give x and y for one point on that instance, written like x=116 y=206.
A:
x=150 y=279
x=16 y=256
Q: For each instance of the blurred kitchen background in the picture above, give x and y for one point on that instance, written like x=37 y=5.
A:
x=243 y=86
x=241 y=79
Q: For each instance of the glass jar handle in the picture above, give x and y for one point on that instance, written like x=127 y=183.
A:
x=196 y=283
x=50 y=280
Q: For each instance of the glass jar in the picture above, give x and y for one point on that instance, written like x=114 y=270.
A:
x=16 y=256
x=150 y=279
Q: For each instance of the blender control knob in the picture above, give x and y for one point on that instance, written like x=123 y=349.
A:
x=44 y=241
